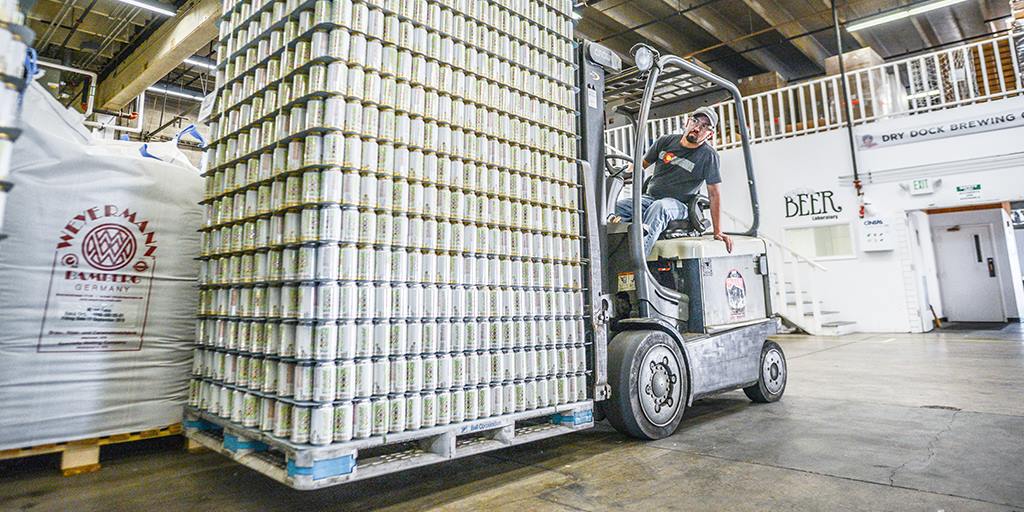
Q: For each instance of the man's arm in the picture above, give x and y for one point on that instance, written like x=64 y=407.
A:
x=714 y=195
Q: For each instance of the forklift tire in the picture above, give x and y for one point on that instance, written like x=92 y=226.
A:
x=771 y=381
x=647 y=374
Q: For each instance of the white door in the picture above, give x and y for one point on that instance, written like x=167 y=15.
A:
x=968 y=277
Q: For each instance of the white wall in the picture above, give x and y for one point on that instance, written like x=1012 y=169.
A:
x=879 y=290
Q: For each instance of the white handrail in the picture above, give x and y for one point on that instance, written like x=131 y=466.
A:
x=942 y=79
x=781 y=245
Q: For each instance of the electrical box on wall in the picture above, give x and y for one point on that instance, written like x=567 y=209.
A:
x=875 y=235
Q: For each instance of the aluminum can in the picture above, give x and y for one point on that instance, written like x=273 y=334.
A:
x=396 y=413
x=484 y=401
x=364 y=338
x=303 y=386
x=343 y=421
x=413 y=411
x=236 y=410
x=444 y=407
x=381 y=376
x=347 y=267
x=508 y=397
x=444 y=371
x=327 y=302
x=301 y=416
x=266 y=414
x=282 y=419
x=303 y=340
x=346 y=339
x=363 y=378
x=397 y=336
x=458 y=405
x=472 y=404
x=380 y=406
x=321 y=424
x=398 y=375
x=429 y=400
x=285 y=378
x=345 y=380
x=324 y=386
x=327 y=262
x=328 y=224
x=543 y=393
x=363 y=419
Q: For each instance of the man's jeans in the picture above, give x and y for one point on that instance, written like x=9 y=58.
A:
x=657 y=213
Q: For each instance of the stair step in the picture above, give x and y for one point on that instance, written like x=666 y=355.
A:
x=837 y=323
x=823 y=313
x=838 y=327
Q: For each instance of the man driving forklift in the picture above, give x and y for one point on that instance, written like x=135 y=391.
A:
x=682 y=162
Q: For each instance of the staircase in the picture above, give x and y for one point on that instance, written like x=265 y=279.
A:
x=792 y=279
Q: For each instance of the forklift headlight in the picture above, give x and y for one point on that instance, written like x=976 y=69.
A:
x=644 y=56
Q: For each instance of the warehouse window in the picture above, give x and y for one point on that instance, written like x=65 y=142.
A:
x=829 y=241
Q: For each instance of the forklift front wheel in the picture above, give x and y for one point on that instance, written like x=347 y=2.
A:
x=648 y=378
x=771 y=382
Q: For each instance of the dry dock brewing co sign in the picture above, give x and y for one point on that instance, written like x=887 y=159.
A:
x=100 y=282
x=976 y=124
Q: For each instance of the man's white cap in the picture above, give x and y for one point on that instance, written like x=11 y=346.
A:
x=709 y=113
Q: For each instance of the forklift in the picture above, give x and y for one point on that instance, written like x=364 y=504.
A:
x=689 y=320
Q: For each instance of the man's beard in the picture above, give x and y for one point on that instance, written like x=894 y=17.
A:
x=691 y=138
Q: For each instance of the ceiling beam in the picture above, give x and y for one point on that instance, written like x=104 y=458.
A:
x=192 y=29
x=875 y=43
x=630 y=15
x=925 y=31
x=725 y=30
x=773 y=12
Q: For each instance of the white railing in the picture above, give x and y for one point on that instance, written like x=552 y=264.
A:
x=970 y=73
x=793 y=279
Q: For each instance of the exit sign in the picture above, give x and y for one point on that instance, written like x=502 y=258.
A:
x=921 y=186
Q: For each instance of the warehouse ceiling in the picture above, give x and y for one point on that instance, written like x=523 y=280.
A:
x=739 y=38
x=735 y=38
x=96 y=35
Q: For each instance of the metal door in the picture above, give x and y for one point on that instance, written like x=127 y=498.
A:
x=968 y=275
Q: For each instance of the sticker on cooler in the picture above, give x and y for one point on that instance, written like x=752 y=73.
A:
x=736 y=294
x=100 y=282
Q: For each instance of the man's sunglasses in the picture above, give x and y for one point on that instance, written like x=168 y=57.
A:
x=702 y=122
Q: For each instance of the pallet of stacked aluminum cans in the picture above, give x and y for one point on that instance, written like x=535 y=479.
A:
x=15 y=40
x=392 y=248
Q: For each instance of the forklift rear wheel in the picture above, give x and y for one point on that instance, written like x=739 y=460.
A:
x=771 y=382
x=648 y=378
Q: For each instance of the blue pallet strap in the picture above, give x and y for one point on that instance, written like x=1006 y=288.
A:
x=324 y=468
x=573 y=418
x=234 y=443
x=201 y=425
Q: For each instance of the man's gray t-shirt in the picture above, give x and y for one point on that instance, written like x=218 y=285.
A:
x=678 y=170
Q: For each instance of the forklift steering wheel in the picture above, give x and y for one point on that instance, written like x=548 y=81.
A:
x=616 y=165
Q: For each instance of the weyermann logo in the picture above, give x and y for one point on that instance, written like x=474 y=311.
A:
x=113 y=236
x=98 y=298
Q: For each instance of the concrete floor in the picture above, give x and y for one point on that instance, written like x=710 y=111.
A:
x=869 y=422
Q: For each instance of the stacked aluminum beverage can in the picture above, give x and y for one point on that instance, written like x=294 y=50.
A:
x=392 y=237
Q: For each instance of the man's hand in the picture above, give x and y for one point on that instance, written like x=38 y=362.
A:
x=725 y=238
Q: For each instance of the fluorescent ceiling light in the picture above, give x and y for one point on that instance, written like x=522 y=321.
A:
x=150 y=6
x=906 y=12
x=200 y=62
x=180 y=93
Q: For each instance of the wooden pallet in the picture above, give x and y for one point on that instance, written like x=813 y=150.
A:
x=83 y=455
x=306 y=467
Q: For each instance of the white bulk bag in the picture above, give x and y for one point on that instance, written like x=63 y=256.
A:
x=97 y=282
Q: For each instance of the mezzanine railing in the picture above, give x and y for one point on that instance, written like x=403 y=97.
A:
x=970 y=73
